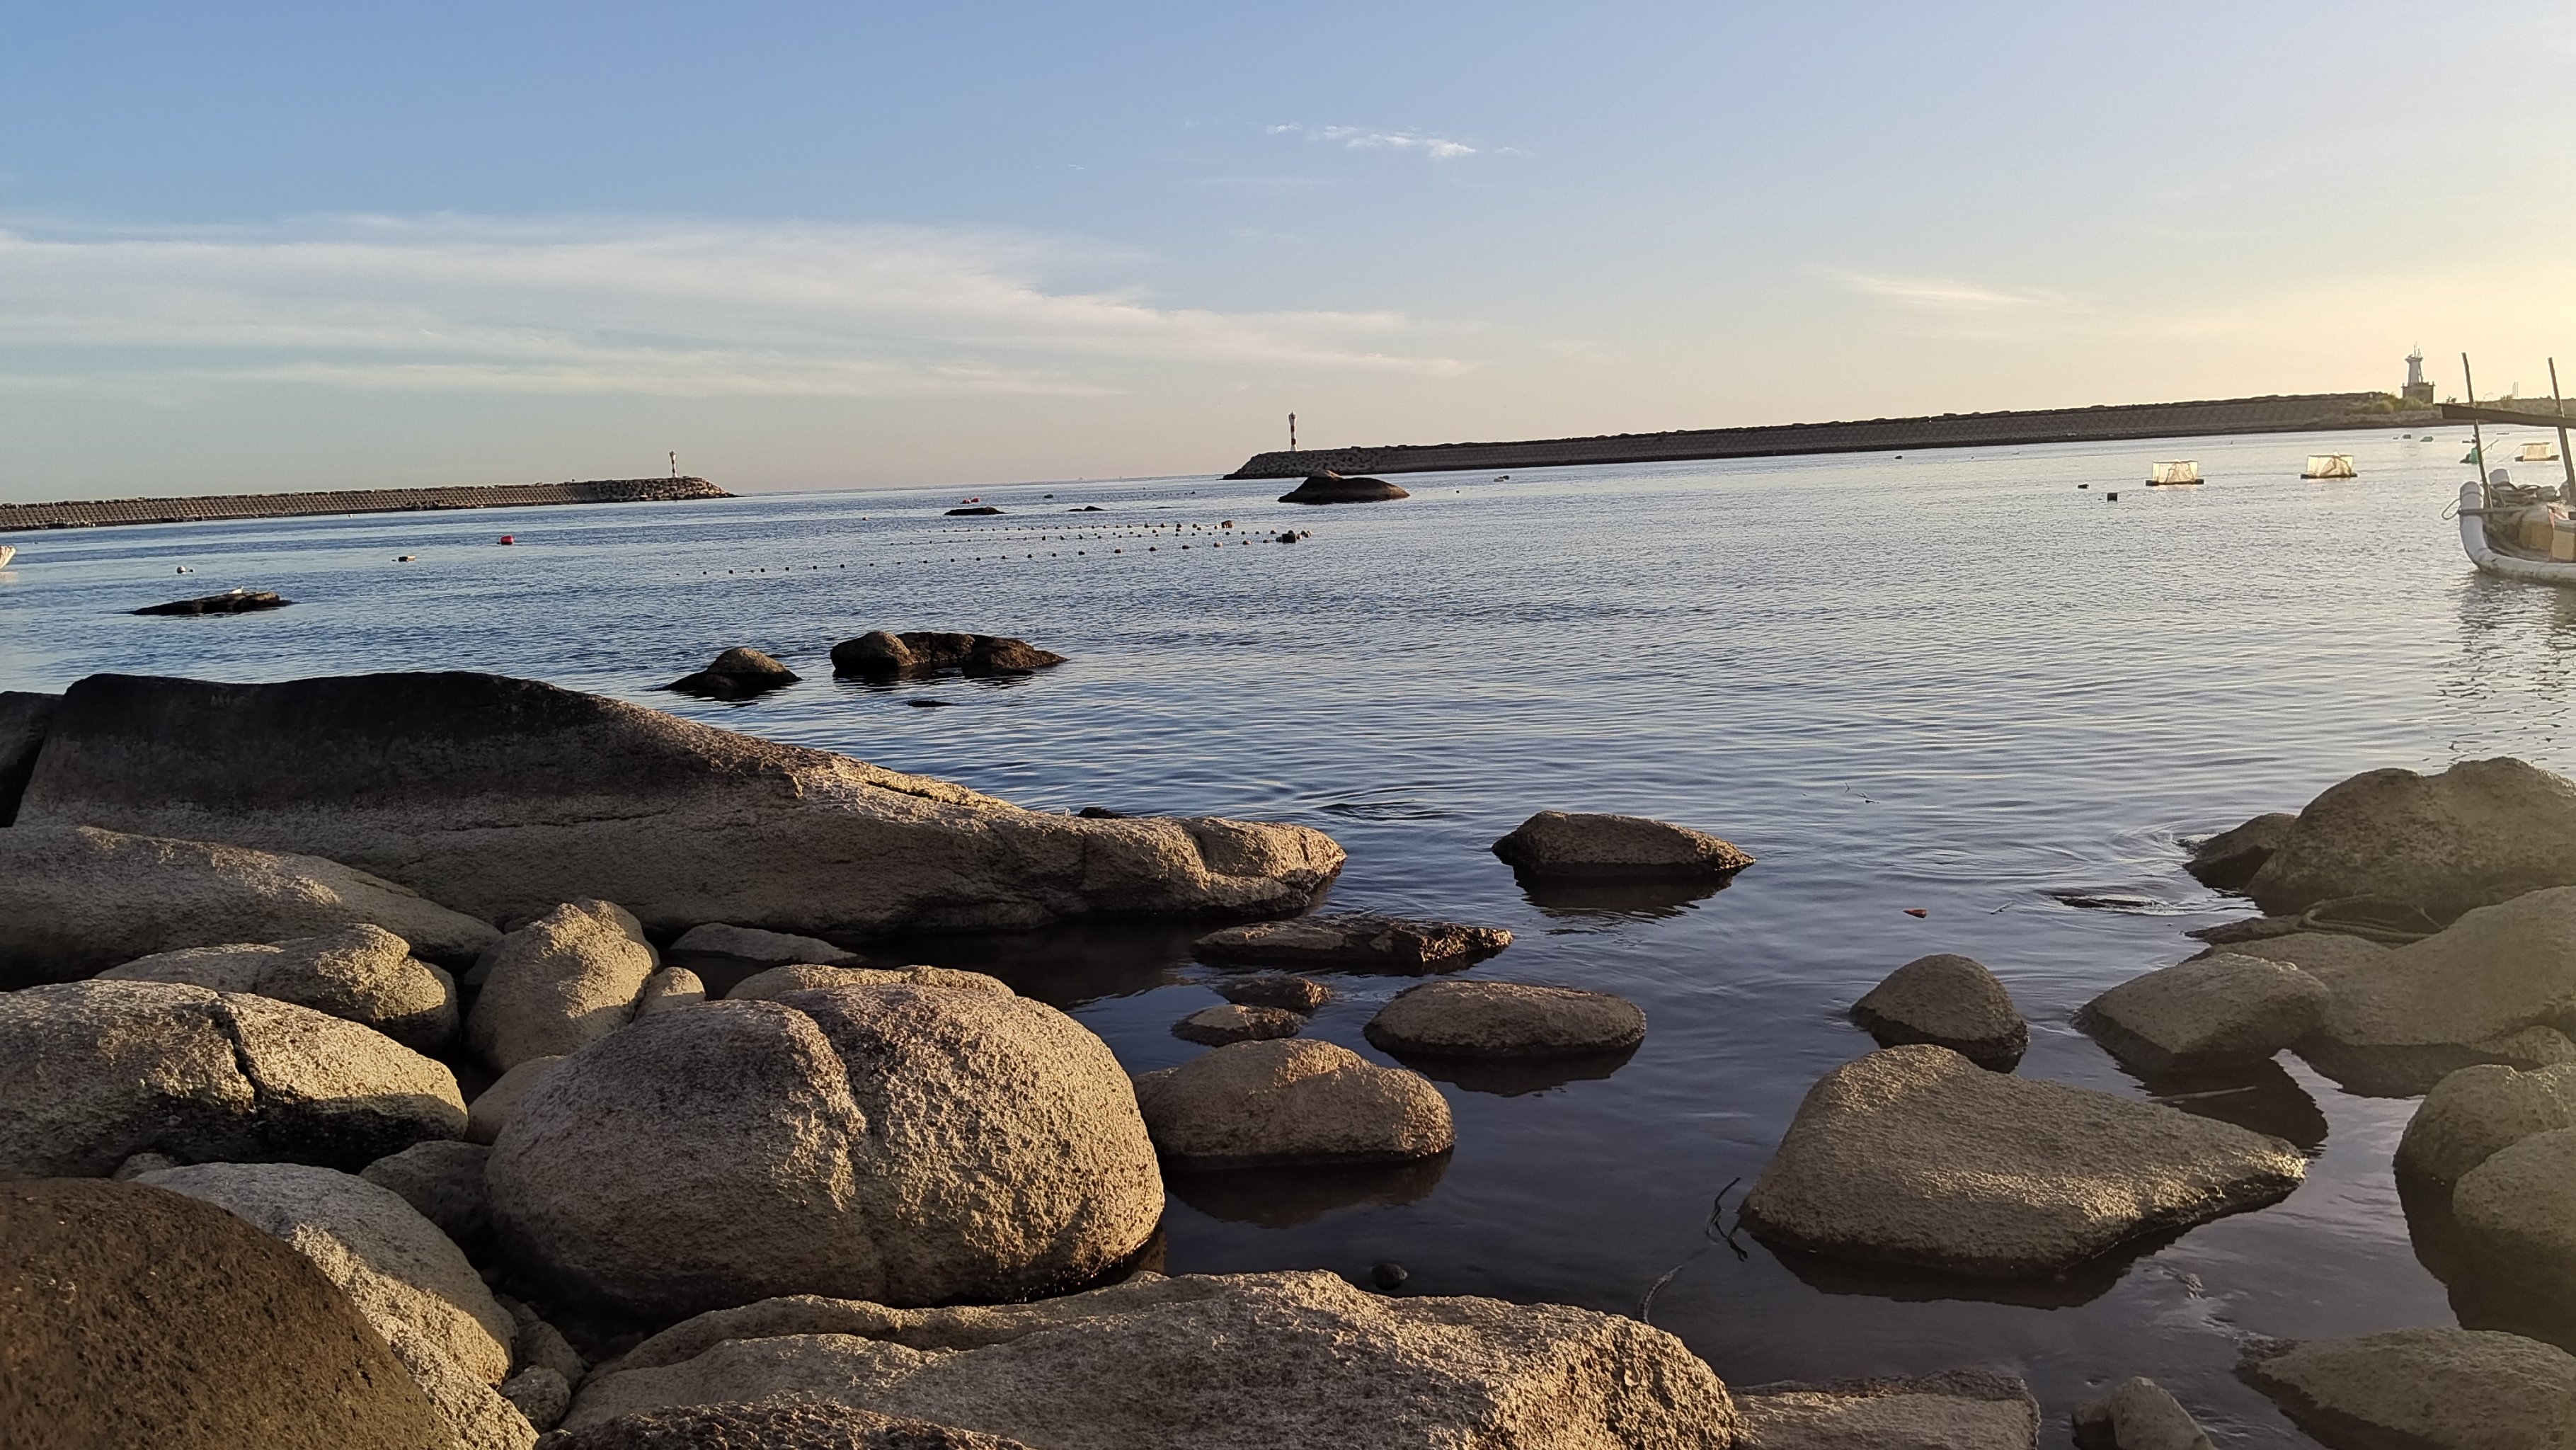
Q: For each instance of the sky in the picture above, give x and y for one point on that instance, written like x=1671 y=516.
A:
x=248 y=247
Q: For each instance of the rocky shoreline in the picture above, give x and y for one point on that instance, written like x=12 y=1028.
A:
x=504 y=1062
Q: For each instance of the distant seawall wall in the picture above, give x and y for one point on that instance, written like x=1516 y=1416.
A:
x=2294 y=413
x=82 y=514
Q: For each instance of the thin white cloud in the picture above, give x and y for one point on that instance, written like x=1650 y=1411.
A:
x=1358 y=138
x=653 y=307
x=1940 y=294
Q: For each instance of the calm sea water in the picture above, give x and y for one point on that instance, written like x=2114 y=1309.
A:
x=1949 y=681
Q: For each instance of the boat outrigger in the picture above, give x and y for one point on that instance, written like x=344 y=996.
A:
x=2518 y=531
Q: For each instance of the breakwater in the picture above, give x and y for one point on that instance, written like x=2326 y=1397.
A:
x=94 y=513
x=2291 y=413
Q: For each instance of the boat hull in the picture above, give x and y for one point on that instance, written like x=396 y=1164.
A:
x=2489 y=559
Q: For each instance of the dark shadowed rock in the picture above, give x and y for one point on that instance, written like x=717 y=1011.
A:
x=775 y=1425
x=79 y=901
x=1291 y=1101
x=140 y=1317
x=363 y=974
x=1917 y=1156
x=2424 y=1389
x=1217 y=1026
x=506 y=797
x=2214 y=1008
x=1329 y=487
x=2481 y=832
x=729 y=950
x=1957 y=1410
x=1560 y=845
x=881 y=654
x=2229 y=859
x=737 y=674
x=1302 y=995
x=1505 y=1019
x=2138 y=1414
x=492 y=1108
x=2475 y=1112
x=1949 y=1001
x=443 y=1182
x=1352 y=939
x=24 y=718
x=1235 y=1362
x=973 y=510
x=231 y=601
x=899 y=1143
x=92 y=1073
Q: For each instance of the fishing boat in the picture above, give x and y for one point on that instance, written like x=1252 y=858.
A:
x=6 y=554
x=2174 y=472
x=2329 y=465
x=2517 y=531
x=2540 y=452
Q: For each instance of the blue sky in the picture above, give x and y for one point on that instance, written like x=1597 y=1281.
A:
x=816 y=246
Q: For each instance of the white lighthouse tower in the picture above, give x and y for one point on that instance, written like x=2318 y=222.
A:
x=2417 y=390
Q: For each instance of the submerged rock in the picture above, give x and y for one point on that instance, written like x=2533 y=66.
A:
x=1217 y=1026
x=2215 y=1008
x=737 y=674
x=1950 y=1001
x=2229 y=859
x=1330 y=487
x=1916 y=1156
x=569 y=977
x=1234 y=1362
x=1294 y=1101
x=506 y=797
x=92 y=1073
x=363 y=974
x=80 y=900
x=907 y=1144
x=1352 y=939
x=2475 y=1112
x=2439 y=1389
x=2138 y=1414
x=231 y=601
x=1958 y=1410
x=141 y=1317
x=917 y=653
x=2479 y=833
x=1505 y=1019
x=1556 y=844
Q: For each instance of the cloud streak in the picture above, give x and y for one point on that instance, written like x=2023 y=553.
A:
x=650 y=307
x=1356 y=138
x=1939 y=294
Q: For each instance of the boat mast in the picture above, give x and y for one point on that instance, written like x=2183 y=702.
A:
x=2567 y=493
x=2477 y=436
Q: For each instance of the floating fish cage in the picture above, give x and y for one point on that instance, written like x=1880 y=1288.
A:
x=2174 y=471
x=2329 y=465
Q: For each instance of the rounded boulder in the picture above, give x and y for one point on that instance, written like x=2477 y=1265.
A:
x=1292 y=1100
x=1949 y=1001
x=904 y=1144
x=1505 y=1019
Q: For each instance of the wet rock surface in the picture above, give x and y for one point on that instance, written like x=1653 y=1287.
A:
x=898 y=1143
x=1959 y=1410
x=1916 y=1156
x=737 y=674
x=2220 y=1007
x=1505 y=1019
x=2229 y=859
x=81 y=900
x=231 y=601
x=92 y=1073
x=1161 y=1364
x=1294 y=1101
x=1558 y=845
x=363 y=974
x=2481 y=832
x=1950 y=1001
x=1353 y=939
x=2445 y=1389
x=922 y=653
x=1217 y=1026
x=2138 y=1414
x=141 y=1317
x=511 y=797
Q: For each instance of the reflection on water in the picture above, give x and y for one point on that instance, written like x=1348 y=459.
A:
x=1637 y=900
x=2079 y=1285
x=1514 y=1076
x=2261 y=1096
x=1950 y=683
x=1286 y=1197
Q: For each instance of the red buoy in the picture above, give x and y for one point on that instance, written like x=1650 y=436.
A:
x=509 y=538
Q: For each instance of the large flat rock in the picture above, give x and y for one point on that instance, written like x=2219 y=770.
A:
x=2487 y=988
x=2481 y=832
x=1917 y=1156
x=1235 y=1362
x=504 y=797
x=1959 y=1410
x=2424 y=1389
